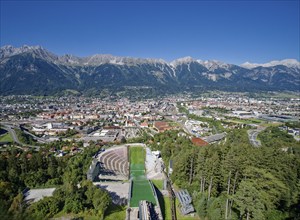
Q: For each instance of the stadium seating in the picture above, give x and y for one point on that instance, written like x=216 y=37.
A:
x=115 y=160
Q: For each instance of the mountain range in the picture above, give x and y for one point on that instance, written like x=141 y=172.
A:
x=35 y=70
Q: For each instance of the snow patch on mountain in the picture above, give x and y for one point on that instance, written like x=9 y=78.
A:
x=213 y=64
x=183 y=60
x=100 y=59
x=292 y=63
x=37 y=51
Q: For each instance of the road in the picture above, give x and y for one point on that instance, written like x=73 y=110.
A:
x=14 y=136
x=12 y=133
x=42 y=140
x=253 y=136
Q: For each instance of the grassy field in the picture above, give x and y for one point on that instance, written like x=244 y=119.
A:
x=137 y=162
x=245 y=121
x=158 y=183
x=6 y=138
x=137 y=155
x=80 y=215
x=115 y=212
x=141 y=188
x=167 y=211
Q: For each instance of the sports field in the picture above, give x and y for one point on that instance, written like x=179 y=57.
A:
x=141 y=188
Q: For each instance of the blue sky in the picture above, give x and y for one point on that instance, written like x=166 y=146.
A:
x=230 y=31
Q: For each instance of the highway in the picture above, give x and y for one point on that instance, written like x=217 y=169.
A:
x=41 y=140
x=12 y=133
x=14 y=136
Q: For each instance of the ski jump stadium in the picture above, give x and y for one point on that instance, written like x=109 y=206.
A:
x=125 y=172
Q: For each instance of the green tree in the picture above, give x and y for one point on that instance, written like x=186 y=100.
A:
x=17 y=206
x=101 y=201
x=248 y=201
x=216 y=208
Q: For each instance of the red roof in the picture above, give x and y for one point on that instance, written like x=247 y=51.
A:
x=199 y=142
x=111 y=127
x=162 y=126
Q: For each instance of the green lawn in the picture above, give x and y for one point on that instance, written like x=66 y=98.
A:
x=141 y=188
x=80 y=215
x=245 y=121
x=137 y=170
x=6 y=138
x=137 y=155
x=167 y=212
x=137 y=162
x=158 y=183
x=115 y=212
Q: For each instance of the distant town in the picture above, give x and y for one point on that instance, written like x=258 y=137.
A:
x=130 y=148
x=85 y=119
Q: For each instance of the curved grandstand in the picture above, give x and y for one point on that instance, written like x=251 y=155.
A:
x=114 y=164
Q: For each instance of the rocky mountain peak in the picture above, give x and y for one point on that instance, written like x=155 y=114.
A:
x=291 y=63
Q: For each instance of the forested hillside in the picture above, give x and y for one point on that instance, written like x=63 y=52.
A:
x=229 y=180
x=19 y=170
x=234 y=180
